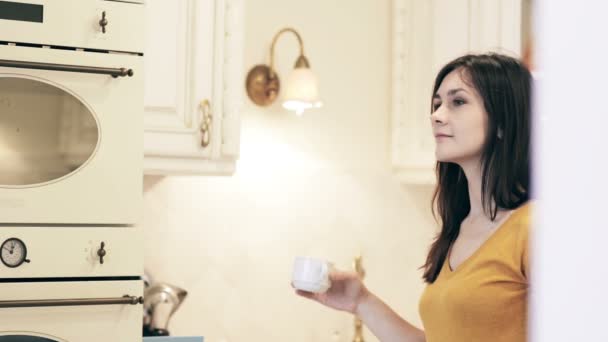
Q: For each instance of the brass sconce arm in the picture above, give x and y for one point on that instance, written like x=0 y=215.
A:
x=301 y=62
x=263 y=84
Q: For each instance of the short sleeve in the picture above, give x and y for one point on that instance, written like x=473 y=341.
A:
x=524 y=242
x=524 y=258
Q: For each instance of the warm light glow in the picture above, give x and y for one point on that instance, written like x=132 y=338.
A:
x=301 y=91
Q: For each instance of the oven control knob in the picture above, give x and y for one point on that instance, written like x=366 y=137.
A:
x=103 y=22
x=101 y=252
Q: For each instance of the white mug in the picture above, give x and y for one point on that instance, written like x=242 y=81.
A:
x=311 y=274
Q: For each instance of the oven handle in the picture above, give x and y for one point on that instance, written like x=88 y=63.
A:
x=114 y=72
x=126 y=299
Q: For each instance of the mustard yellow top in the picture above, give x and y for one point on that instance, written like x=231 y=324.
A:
x=485 y=298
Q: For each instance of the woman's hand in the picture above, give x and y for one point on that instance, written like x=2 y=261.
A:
x=346 y=292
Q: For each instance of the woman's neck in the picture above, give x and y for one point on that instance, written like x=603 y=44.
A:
x=472 y=170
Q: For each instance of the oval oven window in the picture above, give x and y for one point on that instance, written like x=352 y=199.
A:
x=46 y=133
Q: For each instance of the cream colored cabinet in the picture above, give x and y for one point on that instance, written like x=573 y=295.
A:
x=193 y=86
x=427 y=35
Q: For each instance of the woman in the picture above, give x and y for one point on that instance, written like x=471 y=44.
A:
x=477 y=268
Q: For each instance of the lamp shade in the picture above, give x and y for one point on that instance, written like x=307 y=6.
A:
x=301 y=91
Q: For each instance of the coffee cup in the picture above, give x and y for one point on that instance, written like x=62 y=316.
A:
x=311 y=274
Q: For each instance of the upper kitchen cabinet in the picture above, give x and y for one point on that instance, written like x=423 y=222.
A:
x=427 y=35
x=193 y=86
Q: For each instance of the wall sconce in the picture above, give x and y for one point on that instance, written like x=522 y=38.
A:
x=301 y=91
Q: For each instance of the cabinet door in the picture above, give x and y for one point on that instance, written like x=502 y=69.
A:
x=427 y=35
x=193 y=54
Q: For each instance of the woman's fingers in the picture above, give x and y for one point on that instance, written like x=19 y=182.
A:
x=341 y=275
x=306 y=294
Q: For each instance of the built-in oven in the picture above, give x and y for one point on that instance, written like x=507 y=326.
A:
x=77 y=311
x=71 y=127
x=71 y=284
x=71 y=152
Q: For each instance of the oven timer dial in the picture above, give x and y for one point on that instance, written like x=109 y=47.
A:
x=13 y=252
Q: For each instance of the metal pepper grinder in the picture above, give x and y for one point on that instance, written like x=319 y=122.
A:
x=358 y=266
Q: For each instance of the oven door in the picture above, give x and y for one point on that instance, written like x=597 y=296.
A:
x=71 y=136
x=92 y=311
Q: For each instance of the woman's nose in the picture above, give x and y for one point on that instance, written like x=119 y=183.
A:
x=438 y=116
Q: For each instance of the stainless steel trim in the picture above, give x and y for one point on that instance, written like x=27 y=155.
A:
x=132 y=300
x=114 y=72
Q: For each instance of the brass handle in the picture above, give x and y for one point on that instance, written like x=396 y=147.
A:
x=206 y=122
x=126 y=299
x=103 y=22
x=101 y=252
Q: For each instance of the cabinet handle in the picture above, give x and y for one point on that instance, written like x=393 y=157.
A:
x=206 y=121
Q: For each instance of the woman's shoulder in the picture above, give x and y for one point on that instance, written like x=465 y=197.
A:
x=522 y=222
x=523 y=213
x=518 y=222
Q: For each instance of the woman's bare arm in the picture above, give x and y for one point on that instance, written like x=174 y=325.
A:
x=385 y=323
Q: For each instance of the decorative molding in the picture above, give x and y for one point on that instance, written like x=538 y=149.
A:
x=411 y=62
x=188 y=166
x=399 y=58
x=424 y=38
x=495 y=26
x=231 y=41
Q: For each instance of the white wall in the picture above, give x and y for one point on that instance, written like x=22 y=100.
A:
x=316 y=185
x=569 y=297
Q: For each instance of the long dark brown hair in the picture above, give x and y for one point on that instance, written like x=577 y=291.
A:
x=504 y=85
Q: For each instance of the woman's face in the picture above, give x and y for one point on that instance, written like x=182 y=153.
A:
x=459 y=120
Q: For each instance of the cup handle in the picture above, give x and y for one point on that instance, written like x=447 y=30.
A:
x=326 y=283
x=327 y=268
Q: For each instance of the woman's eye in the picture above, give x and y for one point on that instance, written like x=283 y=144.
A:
x=436 y=106
x=459 y=102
